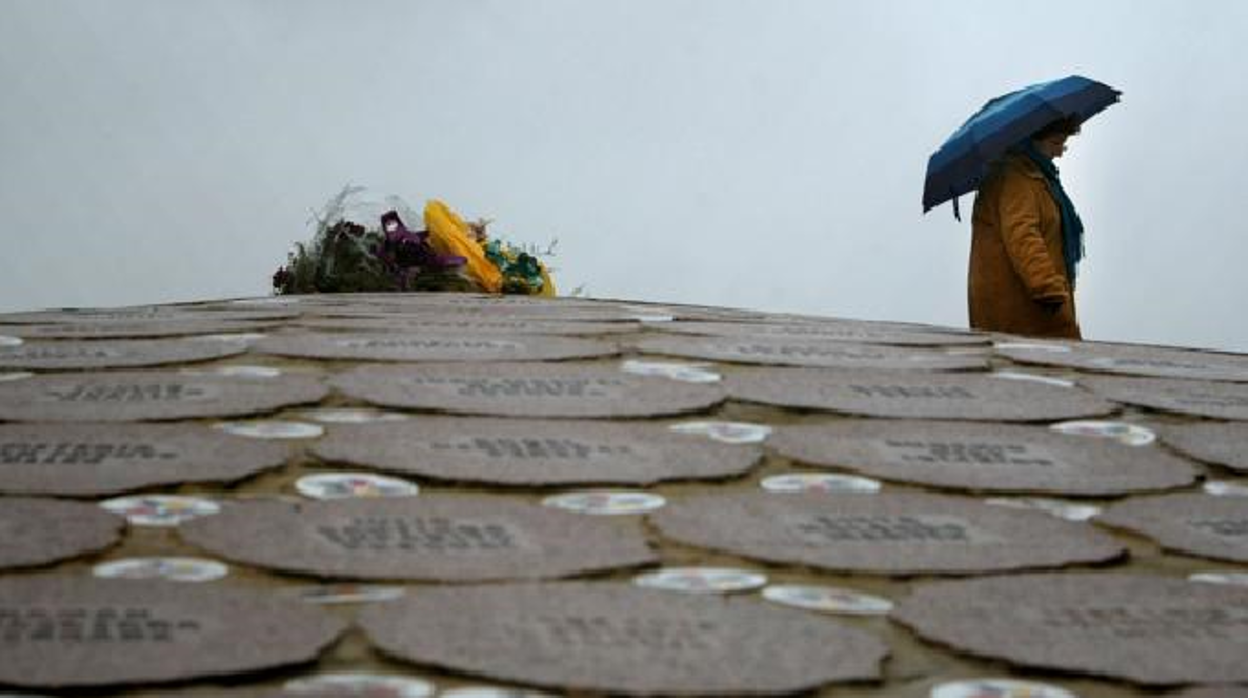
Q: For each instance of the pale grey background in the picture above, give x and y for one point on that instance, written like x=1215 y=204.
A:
x=764 y=153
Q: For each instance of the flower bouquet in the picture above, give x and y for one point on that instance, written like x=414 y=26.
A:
x=362 y=246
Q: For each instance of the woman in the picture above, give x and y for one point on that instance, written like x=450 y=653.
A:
x=1026 y=241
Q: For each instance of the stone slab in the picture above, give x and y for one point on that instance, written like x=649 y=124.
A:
x=912 y=394
x=69 y=355
x=526 y=390
x=1156 y=362
x=1195 y=398
x=456 y=325
x=618 y=639
x=95 y=459
x=41 y=531
x=398 y=346
x=62 y=631
x=1196 y=524
x=149 y=395
x=817 y=352
x=148 y=313
x=828 y=331
x=122 y=330
x=534 y=452
x=458 y=538
x=1223 y=444
x=893 y=534
x=1140 y=628
x=983 y=457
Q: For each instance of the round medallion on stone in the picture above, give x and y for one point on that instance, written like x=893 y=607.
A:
x=1223 y=444
x=912 y=394
x=1124 y=432
x=828 y=599
x=1141 y=628
x=353 y=485
x=883 y=534
x=606 y=502
x=1062 y=509
x=350 y=415
x=725 y=432
x=72 y=631
x=1196 y=398
x=149 y=395
x=174 y=569
x=60 y=356
x=1234 y=578
x=533 y=452
x=1155 y=362
x=434 y=347
x=819 y=482
x=345 y=593
x=825 y=331
x=430 y=537
x=677 y=371
x=360 y=684
x=271 y=429
x=41 y=531
x=621 y=639
x=701 y=580
x=161 y=509
x=998 y=688
x=1198 y=524
x=91 y=459
x=526 y=390
x=819 y=353
x=983 y=457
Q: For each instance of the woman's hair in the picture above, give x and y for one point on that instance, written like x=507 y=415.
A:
x=1066 y=126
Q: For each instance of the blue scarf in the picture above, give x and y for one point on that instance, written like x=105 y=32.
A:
x=1072 y=227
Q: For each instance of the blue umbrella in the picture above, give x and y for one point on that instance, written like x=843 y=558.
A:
x=960 y=164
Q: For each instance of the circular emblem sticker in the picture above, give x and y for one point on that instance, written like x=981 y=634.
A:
x=174 y=569
x=15 y=376
x=237 y=371
x=1129 y=434
x=7 y=341
x=360 y=684
x=1222 y=488
x=820 y=482
x=828 y=599
x=605 y=503
x=334 y=594
x=161 y=510
x=240 y=337
x=1035 y=378
x=273 y=429
x=998 y=688
x=689 y=373
x=701 y=580
x=1233 y=578
x=725 y=432
x=349 y=485
x=351 y=415
x=1057 y=507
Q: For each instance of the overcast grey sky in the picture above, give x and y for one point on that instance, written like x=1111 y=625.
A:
x=760 y=153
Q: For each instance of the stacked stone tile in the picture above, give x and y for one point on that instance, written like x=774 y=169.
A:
x=1107 y=556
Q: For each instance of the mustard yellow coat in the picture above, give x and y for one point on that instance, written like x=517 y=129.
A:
x=1016 y=256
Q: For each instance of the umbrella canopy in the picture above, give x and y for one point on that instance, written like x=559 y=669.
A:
x=961 y=163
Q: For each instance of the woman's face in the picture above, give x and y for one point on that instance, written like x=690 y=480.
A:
x=1052 y=146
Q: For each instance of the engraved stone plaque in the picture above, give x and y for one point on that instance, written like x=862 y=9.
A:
x=65 y=355
x=1223 y=444
x=983 y=457
x=883 y=533
x=98 y=329
x=912 y=394
x=94 y=459
x=1141 y=628
x=534 y=452
x=140 y=314
x=784 y=351
x=430 y=537
x=61 y=631
x=526 y=390
x=149 y=395
x=828 y=331
x=41 y=531
x=1156 y=362
x=1196 y=524
x=397 y=346
x=1196 y=398
x=618 y=639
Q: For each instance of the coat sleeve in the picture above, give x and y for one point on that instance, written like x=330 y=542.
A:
x=1019 y=214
